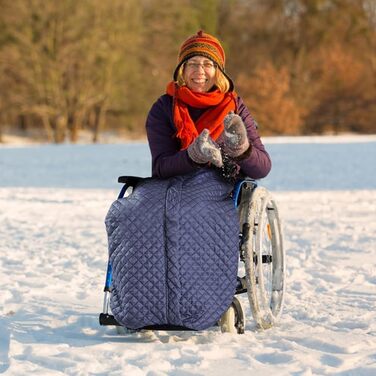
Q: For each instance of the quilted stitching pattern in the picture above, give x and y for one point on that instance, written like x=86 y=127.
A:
x=209 y=260
x=135 y=232
x=173 y=247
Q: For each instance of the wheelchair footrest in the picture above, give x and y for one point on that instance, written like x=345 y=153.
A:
x=106 y=319
x=167 y=327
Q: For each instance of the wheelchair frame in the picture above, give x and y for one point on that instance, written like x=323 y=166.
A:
x=260 y=238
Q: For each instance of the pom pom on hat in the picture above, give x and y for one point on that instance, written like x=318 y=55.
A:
x=204 y=45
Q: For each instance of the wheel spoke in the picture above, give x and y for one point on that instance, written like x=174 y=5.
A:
x=265 y=280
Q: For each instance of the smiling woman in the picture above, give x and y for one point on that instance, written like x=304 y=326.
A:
x=201 y=122
x=199 y=74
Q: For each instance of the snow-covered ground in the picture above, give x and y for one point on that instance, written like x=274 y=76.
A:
x=53 y=200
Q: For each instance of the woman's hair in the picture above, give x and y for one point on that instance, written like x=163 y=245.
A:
x=221 y=81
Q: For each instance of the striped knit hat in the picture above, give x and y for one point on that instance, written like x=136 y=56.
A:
x=203 y=44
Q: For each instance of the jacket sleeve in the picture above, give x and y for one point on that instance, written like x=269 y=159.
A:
x=167 y=158
x=258 y=164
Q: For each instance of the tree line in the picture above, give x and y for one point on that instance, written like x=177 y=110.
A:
x=301 y=66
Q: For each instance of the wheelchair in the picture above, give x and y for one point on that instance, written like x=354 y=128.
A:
x=261 y=270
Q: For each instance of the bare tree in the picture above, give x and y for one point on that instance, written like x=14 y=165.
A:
x=64 y=58
x=95 y=64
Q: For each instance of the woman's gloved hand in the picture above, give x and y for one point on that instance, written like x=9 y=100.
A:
x=204 y=150
x=234 y=138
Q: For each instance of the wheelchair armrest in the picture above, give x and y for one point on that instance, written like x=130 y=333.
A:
x=246 y=183
x=130 y=181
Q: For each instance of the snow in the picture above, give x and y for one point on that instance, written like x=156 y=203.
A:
x=53 y=251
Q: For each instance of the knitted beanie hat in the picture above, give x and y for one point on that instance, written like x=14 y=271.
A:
x=203 y=44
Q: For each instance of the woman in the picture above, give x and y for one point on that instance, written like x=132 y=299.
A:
x=181 y=235
x=201 y=121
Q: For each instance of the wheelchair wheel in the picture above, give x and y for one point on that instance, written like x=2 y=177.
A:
x=263 y=254
x=233 y=320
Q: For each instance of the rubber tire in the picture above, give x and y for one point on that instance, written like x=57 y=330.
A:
x=257 y=209
x=233 y=320
x=227 y=321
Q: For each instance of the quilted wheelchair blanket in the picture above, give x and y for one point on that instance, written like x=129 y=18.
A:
x=173 y=247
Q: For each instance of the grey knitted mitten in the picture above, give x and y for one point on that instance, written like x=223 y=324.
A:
x=234 y=137
x=203 y=150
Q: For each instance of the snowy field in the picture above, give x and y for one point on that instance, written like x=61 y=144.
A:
x=53 y=200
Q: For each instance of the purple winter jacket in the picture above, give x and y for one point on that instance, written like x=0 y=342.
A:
x=167 y=158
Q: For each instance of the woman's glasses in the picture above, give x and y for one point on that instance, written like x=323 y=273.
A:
x=207 y=66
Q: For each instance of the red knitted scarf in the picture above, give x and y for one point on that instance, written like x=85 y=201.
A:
x=218 y=105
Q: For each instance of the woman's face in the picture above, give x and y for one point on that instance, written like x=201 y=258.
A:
x=199 y=74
